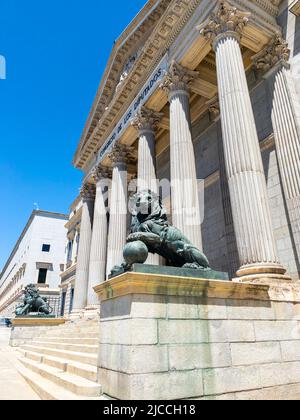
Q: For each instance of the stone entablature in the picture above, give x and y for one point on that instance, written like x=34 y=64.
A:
x=156 y=46
x=124 y=48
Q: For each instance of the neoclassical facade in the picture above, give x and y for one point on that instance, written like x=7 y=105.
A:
x=68 y=276
x=37 y=258
x=205 y=91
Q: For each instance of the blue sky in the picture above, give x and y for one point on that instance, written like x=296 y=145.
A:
x=56 y=53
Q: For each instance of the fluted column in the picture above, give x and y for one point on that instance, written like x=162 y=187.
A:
x=273 y=62
x=244 y=166
x=97 y=267
x=184 y=185
x=83 y=259
x=118 y=206
x=146 y=122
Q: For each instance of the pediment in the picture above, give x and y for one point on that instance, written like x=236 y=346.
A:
x=126 y=51
x=152 y=34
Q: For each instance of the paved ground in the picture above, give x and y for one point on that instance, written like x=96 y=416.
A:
x=12 y=385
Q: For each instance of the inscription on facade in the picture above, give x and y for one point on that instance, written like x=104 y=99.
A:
x=148 y=89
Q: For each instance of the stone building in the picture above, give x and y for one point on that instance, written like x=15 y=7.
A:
x=205 y=91
x=186 y=97
x=37 y=258
x=69 y=274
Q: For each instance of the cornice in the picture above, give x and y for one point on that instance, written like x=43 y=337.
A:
x=169 y=26
x=166 y=31
x=143 y=23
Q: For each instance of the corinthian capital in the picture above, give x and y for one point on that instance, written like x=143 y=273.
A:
x=146 y=119
x=227 y=19
x=121 y=154
x=101 y=172
x=277 y=51
x=88 y=191
x=178 y=78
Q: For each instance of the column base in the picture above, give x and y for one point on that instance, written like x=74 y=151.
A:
x=261 y=269
x=264 y=279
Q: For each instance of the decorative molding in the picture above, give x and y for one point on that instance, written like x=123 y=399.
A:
x=123 y=49
x=88 y=192
x=277 y=51
x=146 y=120
x=178 y=78
x=227 y=19
x=174 y=15
x=101 y=172
x=121 y=154
x=157 y=285
x=171 y=23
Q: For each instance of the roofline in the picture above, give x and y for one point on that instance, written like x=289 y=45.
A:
x=35 y=213
x=136 y=21
x=75 y=203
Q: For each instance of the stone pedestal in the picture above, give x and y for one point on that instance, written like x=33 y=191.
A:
x=168 y=338
x=26 y=329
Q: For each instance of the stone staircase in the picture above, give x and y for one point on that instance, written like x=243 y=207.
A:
x=61 y=364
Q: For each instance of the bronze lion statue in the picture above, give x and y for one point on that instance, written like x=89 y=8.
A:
x=152 y=232
x=33 y=303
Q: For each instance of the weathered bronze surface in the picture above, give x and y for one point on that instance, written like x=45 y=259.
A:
x=151 y=230
x=33 y=303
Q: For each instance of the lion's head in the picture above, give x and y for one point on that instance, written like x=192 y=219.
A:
x=146 y=205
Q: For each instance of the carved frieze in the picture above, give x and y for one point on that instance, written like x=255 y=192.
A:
x=173 y=16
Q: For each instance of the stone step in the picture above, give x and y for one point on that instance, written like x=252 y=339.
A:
x=70 y=340
x=77 y=348
x=90 y=359
x=48 y=390
x=71 y=333
x=70 y=382
x=76 y=368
